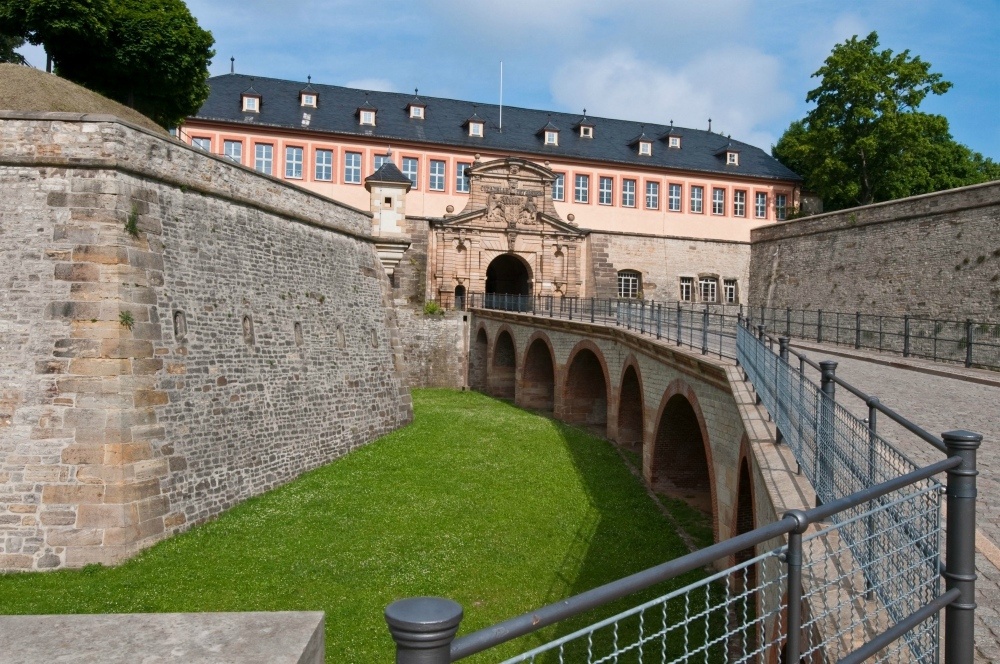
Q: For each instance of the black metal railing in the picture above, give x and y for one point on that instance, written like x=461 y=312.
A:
x=820 y=594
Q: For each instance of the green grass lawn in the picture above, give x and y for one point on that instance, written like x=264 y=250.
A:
x=499 y=509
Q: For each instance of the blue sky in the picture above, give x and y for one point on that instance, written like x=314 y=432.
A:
x=744 y=63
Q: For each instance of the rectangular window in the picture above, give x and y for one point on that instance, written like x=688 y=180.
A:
x=652 y=195
x=780 y=206
x=687 y=286
x=293 y=163
x=461 y=179
x=410 y=165
x=381 y=160
x=263 y=157
x=674 y=198
x=718 y=201
x=437 y=175
x=739 y=203
x=628 y=193
x=559 y=187
x=352 y=167
x=709 y=289
x=628 y=284
x=324 y=165
x=760 y=205
x=729 y=291
x=697 y=199
x=581 y=191
x=202 y=144
x=233 y=150
x=368 y=117
x=604 y=191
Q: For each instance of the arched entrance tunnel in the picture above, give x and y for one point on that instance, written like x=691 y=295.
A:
x=680 y=464
x=630 y=411
x=504 y=366
x=538 y=378
x=586 y=397
x=507 y=275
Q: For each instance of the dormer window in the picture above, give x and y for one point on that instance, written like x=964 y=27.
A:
x=552 y=138
x=732 y=158
x=674 y=142
x=367 y=117
x=416 y=112
x=586 y=132
x=251 y=104
x=549 y=134
x=307 y=99
x=645 y=148
x=476 y=129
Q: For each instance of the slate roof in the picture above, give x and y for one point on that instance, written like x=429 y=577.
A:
x=446 y=124
x=388 y=172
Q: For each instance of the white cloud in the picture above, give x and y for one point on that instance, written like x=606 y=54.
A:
x=379 y=84
x=740 y=89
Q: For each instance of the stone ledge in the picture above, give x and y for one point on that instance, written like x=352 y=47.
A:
x=193 y=638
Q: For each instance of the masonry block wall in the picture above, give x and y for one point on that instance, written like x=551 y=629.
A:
x=663 y=261
x=240 y=334
x=435 y=347
x=936 y=255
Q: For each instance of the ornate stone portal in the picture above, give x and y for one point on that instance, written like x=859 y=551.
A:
x=509 y=213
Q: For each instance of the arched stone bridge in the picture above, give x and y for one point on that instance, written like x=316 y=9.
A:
x=679 y=409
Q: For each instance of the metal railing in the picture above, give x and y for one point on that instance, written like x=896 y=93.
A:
x=968 y=342
x=708 y=329
x=858 y=576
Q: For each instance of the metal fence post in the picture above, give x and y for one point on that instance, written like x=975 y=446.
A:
x=680 y=329
x=591 y=310
x=819 y=326
x=704 y=331
x=659 y=319
x=968 y=342
x=761 y=334
x=960 y=549
x=423 y=629
x=824 y=445
x=642 y=317
x=857 y=330
x=906 y=335
x=793 y=558
x=783 y=354
x=788 y=322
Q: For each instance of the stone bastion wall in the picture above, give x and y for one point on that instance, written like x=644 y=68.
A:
x=177 y=334
x=934 y=256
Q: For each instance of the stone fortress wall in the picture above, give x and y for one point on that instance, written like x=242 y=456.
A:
x=936 y=256
x=244 y=333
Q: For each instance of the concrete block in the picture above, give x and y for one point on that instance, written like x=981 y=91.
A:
x=188 y=638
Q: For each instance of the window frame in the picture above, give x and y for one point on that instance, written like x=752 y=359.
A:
x=605 y=196
x=477 y=129
x=718 y=201
x=581 y=188
x=732 y=159
x=739 y=203
x=633 y=280
x=260 y=159
x=674 y=142
x=781 y=207
x=380 y=160
x=708 y=281
x=586 y=132
x=559 y=187
x=700 y=207
x=628 y=191
x=352 y=167
x=686 y=293
x=730 y=291
x=462 y=183
x=413 y=174
x=652 y=194
x=324 y=164
x=760 y=205
x=251 y=104
x=308 y=99
x=441 y=176
x=366 y=117
x=203 y=143
x=417 y=112
x=674 y=202
x=645 y=149
x=228 y=154
x=551 y=137
x=290 y=154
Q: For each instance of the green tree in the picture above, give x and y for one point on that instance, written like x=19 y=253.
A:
x=865 y=141
x=8 y=46
x=148 y=54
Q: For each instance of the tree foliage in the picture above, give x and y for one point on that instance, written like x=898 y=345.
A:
x=865 y=141
x=8 y=49
x=148 y=54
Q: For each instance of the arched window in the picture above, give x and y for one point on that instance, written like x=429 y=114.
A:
x=629 y=283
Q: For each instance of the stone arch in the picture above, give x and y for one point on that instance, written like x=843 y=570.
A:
x=479 y=359
x=537 y=386
x=508 y=274
x=682 y=451
x=585 y=388
x=631 y=419
x=503 y=368
x=744 y=516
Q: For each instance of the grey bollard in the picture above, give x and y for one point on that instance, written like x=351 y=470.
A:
x=423 y=629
